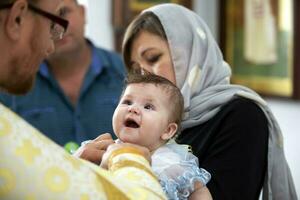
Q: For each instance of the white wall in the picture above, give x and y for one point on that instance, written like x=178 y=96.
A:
x=287 y=113
x=99 y=29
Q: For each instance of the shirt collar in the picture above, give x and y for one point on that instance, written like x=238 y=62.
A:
x=98 y=62
x=44 y=70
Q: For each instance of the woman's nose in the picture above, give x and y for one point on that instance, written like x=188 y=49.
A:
x=134 y=109
x=144 y=67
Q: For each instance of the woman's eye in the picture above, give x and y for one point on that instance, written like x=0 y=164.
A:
x=153 y=59
x=126 y=102
x=149 y=107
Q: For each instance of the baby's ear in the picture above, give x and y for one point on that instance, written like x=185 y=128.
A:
x=170 y=131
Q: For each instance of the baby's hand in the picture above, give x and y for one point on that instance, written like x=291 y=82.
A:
x=93 y=150
x=198 y=185
x=201 y=192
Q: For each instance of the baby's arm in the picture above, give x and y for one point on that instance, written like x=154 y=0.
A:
x=201 y=193
x=179 y=173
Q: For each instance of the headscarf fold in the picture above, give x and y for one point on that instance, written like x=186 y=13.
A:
x=204 y=80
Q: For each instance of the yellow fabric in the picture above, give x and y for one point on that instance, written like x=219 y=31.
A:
x=32 y=167
x=127 y=163
x=125 y=150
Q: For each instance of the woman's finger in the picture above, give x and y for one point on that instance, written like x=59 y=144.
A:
x=104 y=136
x=103 y=144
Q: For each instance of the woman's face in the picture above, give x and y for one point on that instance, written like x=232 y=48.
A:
x=151 y=53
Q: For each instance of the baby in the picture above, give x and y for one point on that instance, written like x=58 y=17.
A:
x=149 y=114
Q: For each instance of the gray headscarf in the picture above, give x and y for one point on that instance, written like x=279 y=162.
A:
x=204 y=79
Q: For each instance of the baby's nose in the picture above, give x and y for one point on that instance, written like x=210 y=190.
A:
x=134 y=109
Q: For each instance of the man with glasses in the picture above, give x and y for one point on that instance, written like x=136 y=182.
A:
x=77 y=85
x=31 y=165
x=26 y=40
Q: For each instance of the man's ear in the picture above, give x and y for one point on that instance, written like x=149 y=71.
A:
x=15 y=19
x=83 y=13
x=170 y=131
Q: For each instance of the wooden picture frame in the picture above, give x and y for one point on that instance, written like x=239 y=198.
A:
x=138 y=5
x=263 y=60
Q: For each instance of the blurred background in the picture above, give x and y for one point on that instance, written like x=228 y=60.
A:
x=273 y=71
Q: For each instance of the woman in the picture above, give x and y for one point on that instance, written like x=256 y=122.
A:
x=230 y=128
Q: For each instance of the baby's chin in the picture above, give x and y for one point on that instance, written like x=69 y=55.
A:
x=125 y=140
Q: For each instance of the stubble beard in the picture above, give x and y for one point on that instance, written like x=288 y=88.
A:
x=23 y=69
x=17 y=83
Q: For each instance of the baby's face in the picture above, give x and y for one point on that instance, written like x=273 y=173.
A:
x=142 y=116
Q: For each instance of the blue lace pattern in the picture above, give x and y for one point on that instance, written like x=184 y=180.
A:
x=181 y=187
x=178 y=179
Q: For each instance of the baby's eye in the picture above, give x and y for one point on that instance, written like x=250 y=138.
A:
x=149 y=107
x=126 y=102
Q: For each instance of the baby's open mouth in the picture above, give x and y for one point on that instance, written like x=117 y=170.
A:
x=131 y=123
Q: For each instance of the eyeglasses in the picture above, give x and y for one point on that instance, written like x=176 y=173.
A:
x=58 y=25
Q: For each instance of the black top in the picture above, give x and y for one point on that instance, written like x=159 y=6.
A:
x=233 y=147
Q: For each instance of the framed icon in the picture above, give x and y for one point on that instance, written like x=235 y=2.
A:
x=259 y=44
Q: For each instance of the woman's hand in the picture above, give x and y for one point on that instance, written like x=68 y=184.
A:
x=94 y=149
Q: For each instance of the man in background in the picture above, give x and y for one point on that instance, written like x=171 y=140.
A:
x=77 y=88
